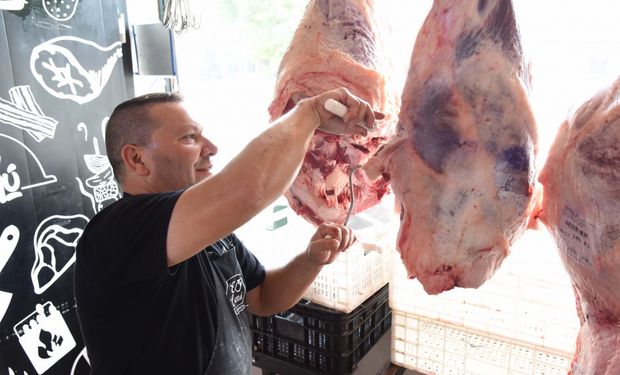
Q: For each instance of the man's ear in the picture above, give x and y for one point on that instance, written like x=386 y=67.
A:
x=133 y=158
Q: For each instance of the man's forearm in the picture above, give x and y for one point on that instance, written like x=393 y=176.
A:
x=263 y=171
x=284 y=287
x=248 y=184
x=270 y=162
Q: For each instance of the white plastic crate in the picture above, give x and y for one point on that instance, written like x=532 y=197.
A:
x=435 y=347
x=355 y=275
x=279 y=234
x=522 y=321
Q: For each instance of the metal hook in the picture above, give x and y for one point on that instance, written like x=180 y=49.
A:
x=351 y=193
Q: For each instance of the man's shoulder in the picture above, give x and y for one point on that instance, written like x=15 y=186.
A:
x=130 y=210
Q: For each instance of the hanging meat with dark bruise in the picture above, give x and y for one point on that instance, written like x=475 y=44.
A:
x=462 y=161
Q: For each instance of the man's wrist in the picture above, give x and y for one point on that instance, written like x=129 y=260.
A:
x=306 y=264
x=309 y=112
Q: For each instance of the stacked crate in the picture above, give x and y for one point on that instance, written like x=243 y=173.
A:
x=311 y=339
x=344 y=312
x=364 y=268
x=354 y=276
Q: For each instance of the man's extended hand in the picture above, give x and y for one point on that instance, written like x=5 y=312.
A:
x=283 y=287
x=327 y=242
x=357 y=120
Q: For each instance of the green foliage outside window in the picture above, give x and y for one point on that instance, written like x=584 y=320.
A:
x=268 y=25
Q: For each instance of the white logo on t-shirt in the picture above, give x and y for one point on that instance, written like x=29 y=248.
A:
x=235 y=292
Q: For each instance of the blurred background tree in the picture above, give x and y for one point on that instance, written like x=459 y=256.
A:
x=267 y=26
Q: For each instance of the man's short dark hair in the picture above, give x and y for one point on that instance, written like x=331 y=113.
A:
x=130 y=123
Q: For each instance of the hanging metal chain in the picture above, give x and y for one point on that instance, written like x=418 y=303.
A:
x=179 y=16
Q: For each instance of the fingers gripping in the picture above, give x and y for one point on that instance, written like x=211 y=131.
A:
x=340 y=112
x=342 y=235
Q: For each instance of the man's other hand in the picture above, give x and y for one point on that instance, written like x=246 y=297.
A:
x=327 y=242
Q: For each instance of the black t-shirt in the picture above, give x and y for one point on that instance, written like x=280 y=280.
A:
x=138 y=316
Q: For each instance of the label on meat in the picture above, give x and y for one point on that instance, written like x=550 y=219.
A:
x=576 y=234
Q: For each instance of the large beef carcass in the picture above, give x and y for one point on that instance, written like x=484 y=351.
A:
x=337 y=44
x=581 y=209
x=462 y=160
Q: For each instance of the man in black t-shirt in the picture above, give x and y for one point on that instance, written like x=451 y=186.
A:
x=161 y=283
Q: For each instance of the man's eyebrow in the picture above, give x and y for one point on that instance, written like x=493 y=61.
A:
x=194 y=126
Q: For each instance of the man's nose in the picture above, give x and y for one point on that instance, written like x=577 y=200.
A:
x=208 y=148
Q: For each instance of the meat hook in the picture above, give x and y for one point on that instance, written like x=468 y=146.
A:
x=351 y=193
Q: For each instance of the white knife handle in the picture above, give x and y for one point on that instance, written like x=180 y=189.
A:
x=336 y=107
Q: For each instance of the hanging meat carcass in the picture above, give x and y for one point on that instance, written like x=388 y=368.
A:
x=337 y=44
x=462 y=161
x=581 y=209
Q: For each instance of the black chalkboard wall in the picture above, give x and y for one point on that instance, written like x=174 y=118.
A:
x=62 y=71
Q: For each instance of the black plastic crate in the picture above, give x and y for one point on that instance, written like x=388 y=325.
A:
x=320 y=339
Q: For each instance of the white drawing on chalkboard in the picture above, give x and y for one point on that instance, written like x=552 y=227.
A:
x=12 y=372
x=54 y=248
x=12 y=4
x=44 y=336
x=82 y=127
x=10 y=180
x=81 y=363
x=60 y=10
x=104 y=125
x=56 y=67
x=8 y=243
x=23 y=112
x=5 y=301
x=101 y=183
x=10 y=184
x=42 y=23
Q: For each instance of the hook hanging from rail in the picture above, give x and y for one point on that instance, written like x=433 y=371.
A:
x=179 y=15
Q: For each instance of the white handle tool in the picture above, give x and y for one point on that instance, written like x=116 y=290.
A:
x=336 y=107
x=339 y=110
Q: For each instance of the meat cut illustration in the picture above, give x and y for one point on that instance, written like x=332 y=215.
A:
x=462 y=161
x=581 y=184
x=63 y=66
x=337 y=44
x=55 y=240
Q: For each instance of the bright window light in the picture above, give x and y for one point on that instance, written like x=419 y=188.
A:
x=227 y=68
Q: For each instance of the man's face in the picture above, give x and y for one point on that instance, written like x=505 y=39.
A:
x=178 y=155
